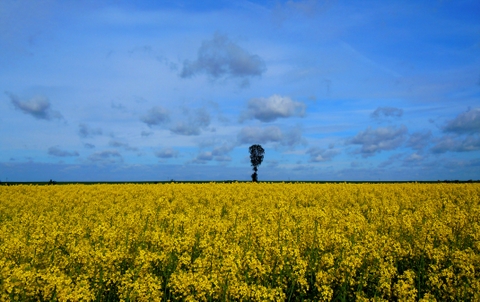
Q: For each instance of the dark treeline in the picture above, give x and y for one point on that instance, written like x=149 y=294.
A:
x=51 y=182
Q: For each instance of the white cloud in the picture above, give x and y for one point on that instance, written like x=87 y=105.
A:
x=273 y=107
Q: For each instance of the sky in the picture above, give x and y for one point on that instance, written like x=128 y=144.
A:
x=179 y=90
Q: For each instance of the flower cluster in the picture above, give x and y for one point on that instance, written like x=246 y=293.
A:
x=240 y=241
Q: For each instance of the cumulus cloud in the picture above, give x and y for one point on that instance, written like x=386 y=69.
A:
x=322 y=155
x=221 y=57
x=166 y=153
x=55 y=151
x=454 y=144
x=465 y=123
x=106 y=157
x=380 y=139
x=419 y=140
x=86 y=131
x=273 y=107
x=195 y=122
x=386 y=112
x=155 y=116
x=272 y=134
x=38 y=107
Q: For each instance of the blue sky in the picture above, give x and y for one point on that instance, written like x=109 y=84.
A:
x=160 y=90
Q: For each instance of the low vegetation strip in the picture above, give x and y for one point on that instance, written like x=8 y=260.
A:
x=240 y=242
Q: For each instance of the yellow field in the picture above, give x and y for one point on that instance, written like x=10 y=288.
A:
x=241 y=242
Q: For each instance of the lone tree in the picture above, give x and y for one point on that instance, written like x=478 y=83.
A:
x=256 y=158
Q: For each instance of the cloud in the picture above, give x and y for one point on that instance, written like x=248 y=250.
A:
x=273 y=107
x=206 y=156
x=203 y=157
x=380 y=139
x=453 y=144
x=256 y=135
x=55 y=151
x=386 y=112
x=322 y=155
x=219 y=153
x=272 y=134
x=38 y=107
x=118 y=144
x=221 y=57
x=395 y=158
x=85 y=131
x=117 y=106
x=419 y=140
x=413 y=159
x=155 y=116
x=166 y=153
x=301 y=9
x=222 y=150
x=196 y=121
x=106 y=157
x=310 y=7
x=465 y=123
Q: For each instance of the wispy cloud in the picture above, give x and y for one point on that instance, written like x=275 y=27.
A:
x=118 y=144
x=106 y=157
x=85 y=131
x=455 y=144
x=386 y=112
x=56 y=151
x=419 y=140
x=193 y=123
x=322 y=155
x=166 y=153
x=271 y=134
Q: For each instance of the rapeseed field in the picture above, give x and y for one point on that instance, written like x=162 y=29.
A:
x=240 y=242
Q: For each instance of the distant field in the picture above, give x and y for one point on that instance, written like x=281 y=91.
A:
x=240 y=241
